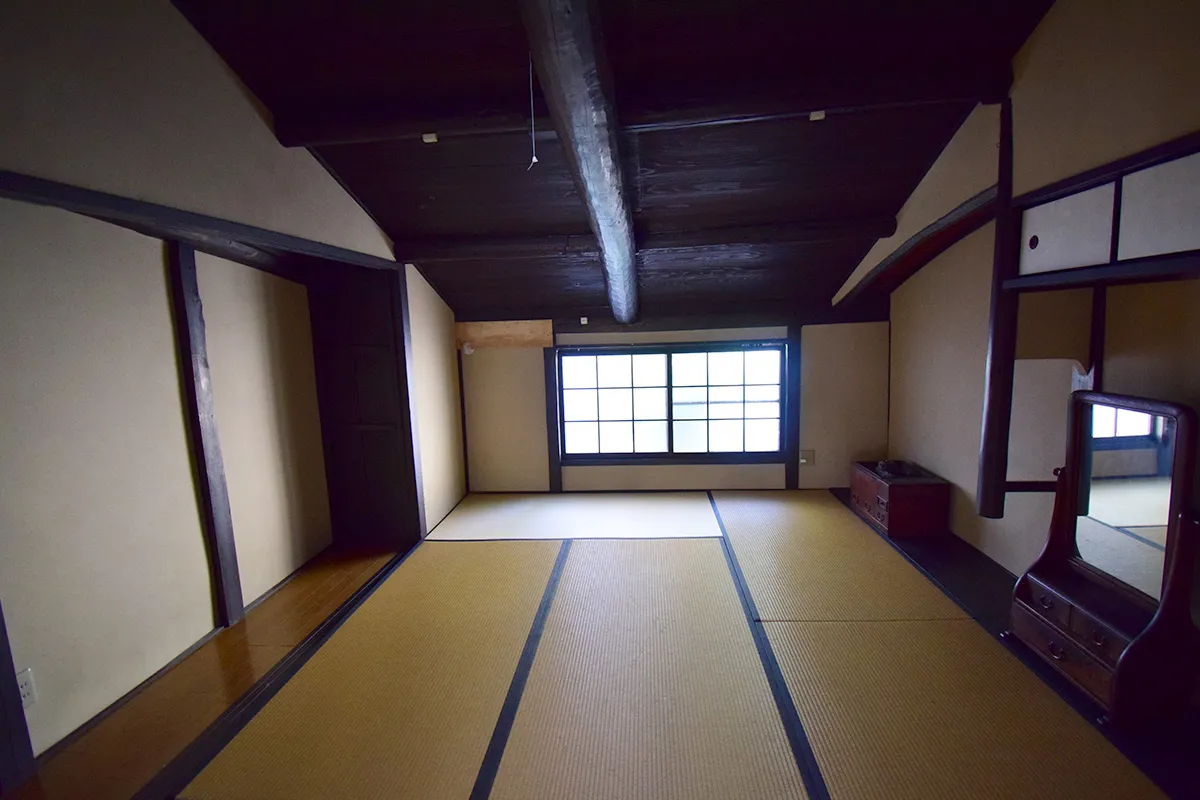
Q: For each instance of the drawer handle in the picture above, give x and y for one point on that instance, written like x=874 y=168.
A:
x=1045 y=602
x=882 y=502
x=1056 y=652
x=1099 y=639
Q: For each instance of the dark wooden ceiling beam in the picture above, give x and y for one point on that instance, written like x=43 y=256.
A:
x=584 y=244
x=388 y=122
x=567 y=50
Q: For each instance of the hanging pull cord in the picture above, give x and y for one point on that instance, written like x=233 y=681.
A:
x=532 y=121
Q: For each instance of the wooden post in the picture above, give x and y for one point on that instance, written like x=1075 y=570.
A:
x=209 y=468
x=791 y=425
x=1002 y=338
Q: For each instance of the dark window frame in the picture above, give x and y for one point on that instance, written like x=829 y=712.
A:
x=669 y=458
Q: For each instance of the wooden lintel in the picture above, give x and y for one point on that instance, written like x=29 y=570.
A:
x=516 y=333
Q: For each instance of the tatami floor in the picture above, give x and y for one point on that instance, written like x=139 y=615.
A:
x=529 y=650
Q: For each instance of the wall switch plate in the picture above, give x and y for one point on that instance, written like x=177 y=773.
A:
x=28 y=688
x=808 y=457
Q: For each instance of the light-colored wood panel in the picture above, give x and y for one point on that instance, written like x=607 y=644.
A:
x=1075 y=231
x=517 y=333
x=1160 y=209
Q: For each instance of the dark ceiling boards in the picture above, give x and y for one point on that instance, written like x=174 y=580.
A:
x=740 y=202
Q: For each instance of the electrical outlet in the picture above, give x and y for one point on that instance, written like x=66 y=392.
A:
x=808 y=457
x=28 y=688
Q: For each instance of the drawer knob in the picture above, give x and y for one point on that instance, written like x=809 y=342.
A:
x=1045 y=602
x=1056 y=652
x=1099 y=639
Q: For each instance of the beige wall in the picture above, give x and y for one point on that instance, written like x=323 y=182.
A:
x=103 y=573
x=1055 y=324
x=1101 y=79
x=436 y=404
x=939 y=356
x=1095 y=82
x=965 y=168
x=127 y=98
x=1152 y=341
x=843 y=399
x=264 y=389
x=843 y=408
x=505 y=397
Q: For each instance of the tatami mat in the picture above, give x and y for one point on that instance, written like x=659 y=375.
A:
x=938 y=709
x=647 y=684
x=580 y=516
x=1130 y=502
x=805 y=556
x=402 y=701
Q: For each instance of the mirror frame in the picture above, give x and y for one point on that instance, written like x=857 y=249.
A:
x=1175 y=588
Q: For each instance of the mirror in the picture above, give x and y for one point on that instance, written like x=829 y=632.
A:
x=1125 y=494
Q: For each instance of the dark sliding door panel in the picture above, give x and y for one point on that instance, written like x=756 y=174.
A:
x=362 y=387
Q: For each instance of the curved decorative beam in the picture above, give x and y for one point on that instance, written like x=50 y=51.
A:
x=926 y=245
x=565 y=40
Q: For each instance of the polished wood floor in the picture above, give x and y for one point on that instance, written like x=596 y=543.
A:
x=120 y=754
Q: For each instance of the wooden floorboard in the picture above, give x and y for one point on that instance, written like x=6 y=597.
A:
x=127 y=748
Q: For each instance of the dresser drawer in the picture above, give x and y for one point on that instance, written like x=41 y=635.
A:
x=1067 y=657
x=1049 y=603
x=1099 y=639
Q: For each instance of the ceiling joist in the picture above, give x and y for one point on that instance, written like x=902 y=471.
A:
x=375 y=122
x=534 y=247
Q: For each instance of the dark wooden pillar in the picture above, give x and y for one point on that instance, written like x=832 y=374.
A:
x=791 y=425
x=1096 y=343
x=209 y=467
x=16 y=751
x=553 y=445
x=1002 y=337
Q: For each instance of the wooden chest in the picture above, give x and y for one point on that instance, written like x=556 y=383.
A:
x=901 y=506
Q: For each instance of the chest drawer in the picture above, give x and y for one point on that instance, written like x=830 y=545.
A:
x=1068 y=658
x=869 y=495
x=1099 y=639
x=1049 y=603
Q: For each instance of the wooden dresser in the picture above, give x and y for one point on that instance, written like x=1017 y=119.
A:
x=1135 y=651
x=914 y=504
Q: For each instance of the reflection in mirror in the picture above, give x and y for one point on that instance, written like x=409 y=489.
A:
x=1125 y=494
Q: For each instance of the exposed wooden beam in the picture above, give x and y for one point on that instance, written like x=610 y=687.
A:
x=566 y=45
x=926 y=245
x=255 y=247
x=357 y=125
x=201 y=417
x=1168 y=267
x=529 y=247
